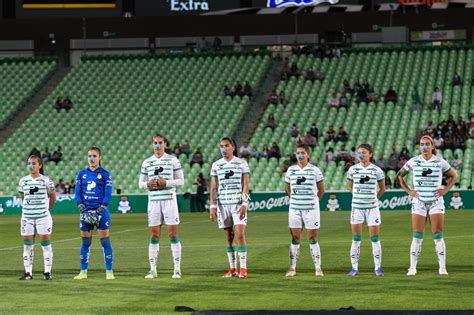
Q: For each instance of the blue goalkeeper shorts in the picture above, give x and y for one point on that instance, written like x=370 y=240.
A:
x=104 y=223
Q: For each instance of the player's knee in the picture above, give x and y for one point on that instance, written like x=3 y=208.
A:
x=155 y=235
x=312 y=239
x=172 y=234
x=296 y=238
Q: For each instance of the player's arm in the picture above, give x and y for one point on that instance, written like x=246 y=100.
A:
x=107 y=191
x=381 y=188
x=245 y=195
x=20 y=191
x=320 y=189
x=288 y=189
x=51 y=195
x=178 y=180
x=212 y=198
x=350 y=184
x=78 y=192
x=402 y=173
x=453 y=178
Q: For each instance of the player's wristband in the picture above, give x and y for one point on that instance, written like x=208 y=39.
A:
x=213 y=207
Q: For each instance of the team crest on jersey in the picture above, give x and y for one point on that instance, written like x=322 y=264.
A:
x=99 y=176
x=435 y=163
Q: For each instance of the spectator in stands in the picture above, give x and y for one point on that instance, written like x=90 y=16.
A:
x=319 y=75
x=333 y=101
x=274 y=151
x=309 y=140
x=381 y=162
x=238 y=89
x=217 y=44
x=227 y=91
x=437 y=99
x=343 y=101
x=255 y=153
x=457 y=163
x=329 y=155
x=248 y=89
x=73 y=186
x=448 y=140
x=46 y=155
x=271 y=122
x=336 y=52
x=282 y=98
x=244 y=150
x=35 y=151
x=347 y=165
x=353 y=154
x=460 y=138
x=314 y=131
x=58 y=104
x=372 y=96
x=405 y=153
x=388 y=182
x=456 y=80
x=402 y=161
x=61 y=187
x=366 y=85
x=462 y=127
x=346 y=88
x=392 y=164
x=294 y=71
x=310 y=75
x=361 y=96
x=342 y=135
x=67 y=188
x=438 y=141
x=168 y=149
x=357 y=87
x=197 y=157
x=265 y=151
x=185 y=148
x=203 y=45
x=294 y=131
x=430 y=127
x=391 y=96
x=67 y=104
x=200 y=182
x=273 y=99
x=330 y=135
x=415 y=98
x=177 y=150
x=286 y=164
x=343 y=154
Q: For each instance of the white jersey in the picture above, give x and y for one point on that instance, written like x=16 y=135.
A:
x=427 y=176
x=364 y=185
x=229 y=177
x=36 y=196
x=165 y=167
x=303 y=184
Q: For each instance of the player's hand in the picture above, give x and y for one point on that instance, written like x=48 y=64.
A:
x=413 y=193
x=242 y=212
x=212 y=214
x=161 y=182
x=81 y=207
x=440 y=192
x=152 y=184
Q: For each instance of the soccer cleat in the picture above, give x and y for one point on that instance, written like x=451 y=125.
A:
x=81 y=276
x=243 y=273
x=47 y=276
x=109 y=275
x=443 y=272
x=379 y=272
x=231 y=273
x=353 y=272
x=290 y=273
x=176 y=274
x=151 y=275
x=319 y=272
x=411 y=272
x=26 y=276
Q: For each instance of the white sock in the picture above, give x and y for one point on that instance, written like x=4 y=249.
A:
x=415 y=250
x=355 y=252
x=377 y=253
x=47 y=257
x=176 y=251
x=315 y=254
x=294 y=254
x=232 y=256
x=153 y=250
x=28 y=256
x=242 y=257
x=440 y=248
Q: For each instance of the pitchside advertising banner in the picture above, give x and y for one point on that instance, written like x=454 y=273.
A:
x=259 y=202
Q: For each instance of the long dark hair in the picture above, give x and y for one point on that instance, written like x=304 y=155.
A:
x=368 y=147
x=39 y=160
x=234 y=144
x=97 y=149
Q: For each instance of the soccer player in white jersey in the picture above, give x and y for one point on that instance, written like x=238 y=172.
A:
x=161 y=174
x=38 y=195
x=428 y=170
x=305 y=187
x=229 y=197
x=364 y=178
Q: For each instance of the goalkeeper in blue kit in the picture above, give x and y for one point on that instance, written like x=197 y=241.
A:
x=93 y=193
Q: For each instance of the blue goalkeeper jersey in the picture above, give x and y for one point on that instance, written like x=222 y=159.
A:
x=93 y=188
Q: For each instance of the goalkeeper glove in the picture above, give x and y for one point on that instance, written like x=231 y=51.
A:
x=81 y=207
x=90 y=217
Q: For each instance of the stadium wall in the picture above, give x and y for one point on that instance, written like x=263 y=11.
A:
x=260 y=202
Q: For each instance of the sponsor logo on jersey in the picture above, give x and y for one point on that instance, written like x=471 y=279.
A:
x=91 y=185
x=33 y=190
x=427 y=172
x=229 y=174
x=158 y=170
x=364 y=179
x=300 y=180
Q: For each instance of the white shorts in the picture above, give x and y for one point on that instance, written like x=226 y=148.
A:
x=228 y=216
x=371 y=216
x=163 y=212
x=310 y=219
x=427 y=208
x=43 y=226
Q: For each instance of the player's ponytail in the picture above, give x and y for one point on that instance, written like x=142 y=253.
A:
x=368 y=147
x=97 y=149
x=39 y=160
x=234 y=144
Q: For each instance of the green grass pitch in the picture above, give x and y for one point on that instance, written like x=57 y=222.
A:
x=204 y=261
